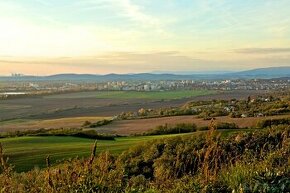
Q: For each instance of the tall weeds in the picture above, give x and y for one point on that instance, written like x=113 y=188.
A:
x=2 y=160
x=93 y=155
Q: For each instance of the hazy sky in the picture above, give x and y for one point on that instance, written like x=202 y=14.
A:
x=119 y=36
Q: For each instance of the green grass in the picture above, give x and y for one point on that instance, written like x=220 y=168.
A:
x=156 y=95
x=26 y=153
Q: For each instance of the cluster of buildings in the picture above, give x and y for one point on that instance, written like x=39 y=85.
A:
x=242 y=84
x=145 y=85
x=195 y=84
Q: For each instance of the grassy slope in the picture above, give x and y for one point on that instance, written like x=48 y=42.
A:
x=26 y=152
x=135 y=94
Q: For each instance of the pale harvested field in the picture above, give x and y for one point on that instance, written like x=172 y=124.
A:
x=22 y=124
x=127 y=127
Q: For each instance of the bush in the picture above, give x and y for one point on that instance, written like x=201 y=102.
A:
x=220 y=125
x=99 y=123
x=87 y=123
x=273 y=122
x=178 y=128
x=224 y=125
x=92 y=134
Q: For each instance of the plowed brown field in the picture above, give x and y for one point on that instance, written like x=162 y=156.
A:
x=126 y=127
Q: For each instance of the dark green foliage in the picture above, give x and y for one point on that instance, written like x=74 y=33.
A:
x=186 y=128
x=272 y=181
x=178 y=128
x=87 y=123
x=221 y=125
x=98 y=123
x=273 y=122
x=92 y=134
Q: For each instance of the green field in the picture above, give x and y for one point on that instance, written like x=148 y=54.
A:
x=154 y=95
x=27 y=152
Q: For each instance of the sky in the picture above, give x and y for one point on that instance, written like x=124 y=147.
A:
x=43 y=37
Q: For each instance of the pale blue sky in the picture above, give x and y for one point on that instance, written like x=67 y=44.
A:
x=120 y=36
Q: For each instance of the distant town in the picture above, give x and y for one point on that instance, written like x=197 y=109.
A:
x=47 y=87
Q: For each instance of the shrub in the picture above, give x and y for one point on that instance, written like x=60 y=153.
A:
x=273 y=122
x=224 y=125
x=178 y=128
x=100 y=123
x=220 y=125
x=87 y=123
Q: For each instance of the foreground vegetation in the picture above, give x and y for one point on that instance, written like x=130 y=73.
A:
x=245 y=162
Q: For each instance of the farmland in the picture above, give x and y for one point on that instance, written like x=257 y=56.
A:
x=123 y=127
x=127 y=127
x=86 y=104
x=153 y=95
x=73 y=109
x=26 y=152
x=93 y=103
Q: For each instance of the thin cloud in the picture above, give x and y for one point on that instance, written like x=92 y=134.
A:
x=262 y=50
x=133 y=12
x=123 y=8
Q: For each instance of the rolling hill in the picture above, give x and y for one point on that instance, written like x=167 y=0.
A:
x=262 y=73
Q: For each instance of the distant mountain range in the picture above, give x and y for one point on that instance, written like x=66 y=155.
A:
x=262 y=73
x=273 y=72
